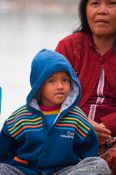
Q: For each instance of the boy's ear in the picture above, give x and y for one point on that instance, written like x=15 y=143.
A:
x=38 y=96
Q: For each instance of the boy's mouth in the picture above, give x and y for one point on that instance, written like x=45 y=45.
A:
x=59 y=94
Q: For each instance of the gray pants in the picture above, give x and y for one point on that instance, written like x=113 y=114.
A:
x=88 y=166
x=6 y=169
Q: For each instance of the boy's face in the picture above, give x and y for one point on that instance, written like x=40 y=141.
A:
x=55 y=90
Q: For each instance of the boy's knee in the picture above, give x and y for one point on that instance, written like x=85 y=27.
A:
x=6 y=169
x=93 y=166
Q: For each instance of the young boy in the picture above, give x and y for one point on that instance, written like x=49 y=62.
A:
x=50 y=132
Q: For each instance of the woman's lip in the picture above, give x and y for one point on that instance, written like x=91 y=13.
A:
x=101 y=21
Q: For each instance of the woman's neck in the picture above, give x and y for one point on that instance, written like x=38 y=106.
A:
x=103 y=44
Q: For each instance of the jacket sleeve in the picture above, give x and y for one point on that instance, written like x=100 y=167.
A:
x=90 y=146
x=86 y=140
x=7 y=145
x=110 y=122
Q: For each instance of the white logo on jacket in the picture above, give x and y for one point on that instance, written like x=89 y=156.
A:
x=68 y=135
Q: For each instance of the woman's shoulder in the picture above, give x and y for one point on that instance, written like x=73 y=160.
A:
x=75 y=37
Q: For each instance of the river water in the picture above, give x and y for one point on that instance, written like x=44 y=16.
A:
x=22 y=35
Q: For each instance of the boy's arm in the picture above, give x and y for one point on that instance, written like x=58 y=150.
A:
x=86 y=140
x=7 y=145
x=90 y=146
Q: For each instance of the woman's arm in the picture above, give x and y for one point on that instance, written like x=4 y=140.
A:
x=110 y=122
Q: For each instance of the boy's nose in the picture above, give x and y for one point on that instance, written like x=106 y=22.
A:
x=59 y=85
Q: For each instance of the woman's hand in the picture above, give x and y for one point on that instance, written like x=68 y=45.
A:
x=102 y=132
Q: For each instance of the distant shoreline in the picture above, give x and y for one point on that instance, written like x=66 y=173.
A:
x=37 y=6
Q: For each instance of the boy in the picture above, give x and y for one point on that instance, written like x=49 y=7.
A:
x=49 y=133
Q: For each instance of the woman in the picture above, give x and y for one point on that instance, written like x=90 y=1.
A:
x=91 y=50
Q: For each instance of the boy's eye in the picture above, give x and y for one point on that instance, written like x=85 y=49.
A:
x=51 y=81
x=66 y=80
x=112 y=2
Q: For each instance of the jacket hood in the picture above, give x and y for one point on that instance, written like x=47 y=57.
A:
x=46 y=63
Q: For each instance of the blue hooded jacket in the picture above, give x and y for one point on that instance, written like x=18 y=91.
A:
x=32 y=147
